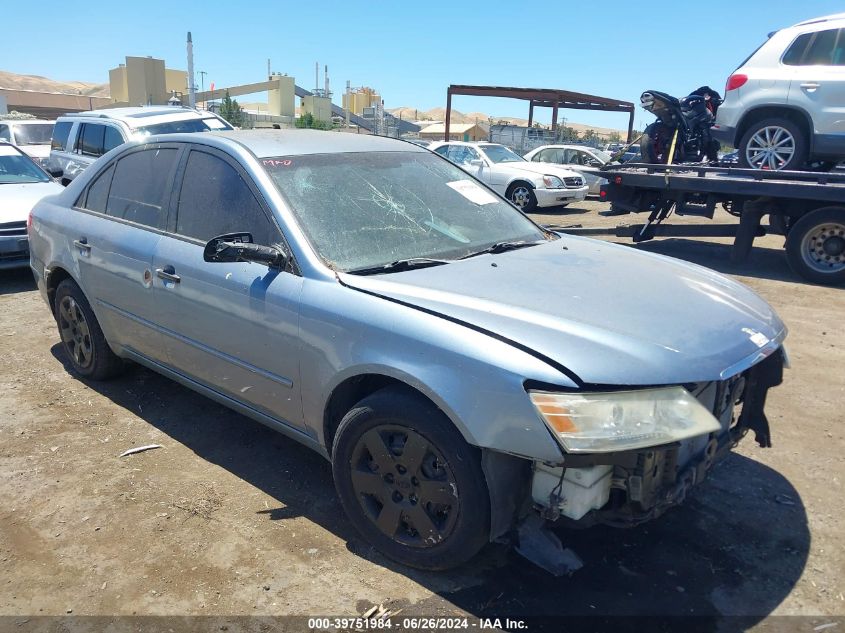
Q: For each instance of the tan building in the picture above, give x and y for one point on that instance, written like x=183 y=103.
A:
x=360 y=98
x=319 y=107
x=457 y=132
x=145 y=81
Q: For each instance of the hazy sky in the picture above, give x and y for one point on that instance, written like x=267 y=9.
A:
x=411 y=51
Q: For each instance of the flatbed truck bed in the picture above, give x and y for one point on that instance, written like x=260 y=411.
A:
x=808 y=208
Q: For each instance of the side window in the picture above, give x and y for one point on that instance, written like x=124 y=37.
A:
x=92 y=139
x=215 y=200
x=471 y=155
x=112 y=139
x=4 y=133
x=824 y=48
x=60 y=133
x=138 y=189
x=443 y=150
x=98 y=192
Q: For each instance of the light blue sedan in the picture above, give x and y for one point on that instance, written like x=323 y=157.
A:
x=466 y=371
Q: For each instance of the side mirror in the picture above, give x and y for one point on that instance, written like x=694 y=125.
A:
x=476 y=162
x=238 y=247
x=56 y=173
x=594 y=163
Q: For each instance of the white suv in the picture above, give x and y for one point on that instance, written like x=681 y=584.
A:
x=81 y=138
x=785 y=105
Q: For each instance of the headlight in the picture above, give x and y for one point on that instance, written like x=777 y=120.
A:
x=622 y=420
x=552 y=182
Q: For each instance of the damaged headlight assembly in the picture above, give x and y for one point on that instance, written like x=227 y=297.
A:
x=609 y=422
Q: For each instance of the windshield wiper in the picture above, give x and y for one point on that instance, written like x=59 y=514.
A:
x=501 y=247
x=399 y=265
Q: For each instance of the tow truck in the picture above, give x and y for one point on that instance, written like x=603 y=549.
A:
x=808 y=208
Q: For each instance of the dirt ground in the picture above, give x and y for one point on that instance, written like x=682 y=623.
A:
x=229 y=518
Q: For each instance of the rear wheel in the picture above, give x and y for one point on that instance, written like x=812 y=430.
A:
x=655 y=143
x=522 y=195
x=775 y=144
x=815 y=246
x=409 y=482
x=82 y=339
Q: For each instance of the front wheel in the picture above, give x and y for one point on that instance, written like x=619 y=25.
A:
x=774 y=144
x=521 y=194
x=409 y=482
x=815 y=246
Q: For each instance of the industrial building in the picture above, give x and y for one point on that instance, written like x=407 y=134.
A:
x=145 y=81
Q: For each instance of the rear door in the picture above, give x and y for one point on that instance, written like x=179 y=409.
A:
x=92 y=141
x=817 y=62
x=123 y=215
x=232 y=327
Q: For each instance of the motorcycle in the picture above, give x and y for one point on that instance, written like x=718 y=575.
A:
x=682 y=124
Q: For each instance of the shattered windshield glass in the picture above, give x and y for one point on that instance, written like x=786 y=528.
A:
x=367 y=209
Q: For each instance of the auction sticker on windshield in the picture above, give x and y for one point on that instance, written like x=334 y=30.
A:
x=472 y=192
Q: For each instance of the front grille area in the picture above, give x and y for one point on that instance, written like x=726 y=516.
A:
x=573 y=182
x=13 y=229
x=13 y=256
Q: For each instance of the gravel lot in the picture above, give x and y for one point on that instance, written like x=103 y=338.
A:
x=230 y=518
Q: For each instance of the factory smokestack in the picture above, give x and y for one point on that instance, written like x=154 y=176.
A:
x=192 y=92
x=326 y=76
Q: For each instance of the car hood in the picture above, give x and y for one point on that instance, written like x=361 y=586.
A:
x=19 y=198
x=540 y=168
x=607 y=313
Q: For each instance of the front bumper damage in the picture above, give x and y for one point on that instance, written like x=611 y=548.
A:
x=626 y=489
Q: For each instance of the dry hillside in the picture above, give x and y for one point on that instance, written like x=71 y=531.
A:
x=12 y=81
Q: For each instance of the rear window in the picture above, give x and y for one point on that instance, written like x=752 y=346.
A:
x=823 y=48
x=185 y=125
x=60 y=133
x=139 y=185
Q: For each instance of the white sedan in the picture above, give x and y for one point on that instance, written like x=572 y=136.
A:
x=585 y=160
x=22 y=184
x=527 y=185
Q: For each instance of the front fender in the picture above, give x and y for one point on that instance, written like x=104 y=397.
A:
x=476 y=380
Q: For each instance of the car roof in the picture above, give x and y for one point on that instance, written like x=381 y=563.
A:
x=266 y=143
x=143 y=115
x=824 y=18
x=564 y=146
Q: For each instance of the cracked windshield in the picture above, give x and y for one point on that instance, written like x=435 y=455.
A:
x=360 y=210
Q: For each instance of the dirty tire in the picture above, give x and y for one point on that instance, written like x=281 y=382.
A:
x=409 y=482
x=777 y=138
x=521 y=194
x=82 y=339
x=815 y=246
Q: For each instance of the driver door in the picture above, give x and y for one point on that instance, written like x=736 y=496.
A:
x=232 y=327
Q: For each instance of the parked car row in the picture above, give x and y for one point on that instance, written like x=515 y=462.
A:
x=528 y=185
x=371 y=300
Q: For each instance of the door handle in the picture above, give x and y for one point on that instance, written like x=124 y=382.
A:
x=810 y=86
x=168 y=273
x=82 y=244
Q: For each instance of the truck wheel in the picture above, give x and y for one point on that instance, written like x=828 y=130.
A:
x=815 y=246
x=522 y=195
x=409 y=482
x=82 y=339
x=775 y=143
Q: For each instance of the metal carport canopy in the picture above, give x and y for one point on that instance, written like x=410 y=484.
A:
x=542 y=97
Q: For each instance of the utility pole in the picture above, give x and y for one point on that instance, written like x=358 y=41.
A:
x=202 y=75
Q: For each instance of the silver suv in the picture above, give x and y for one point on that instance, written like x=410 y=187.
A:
x=783 y=105
x=80 y=139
